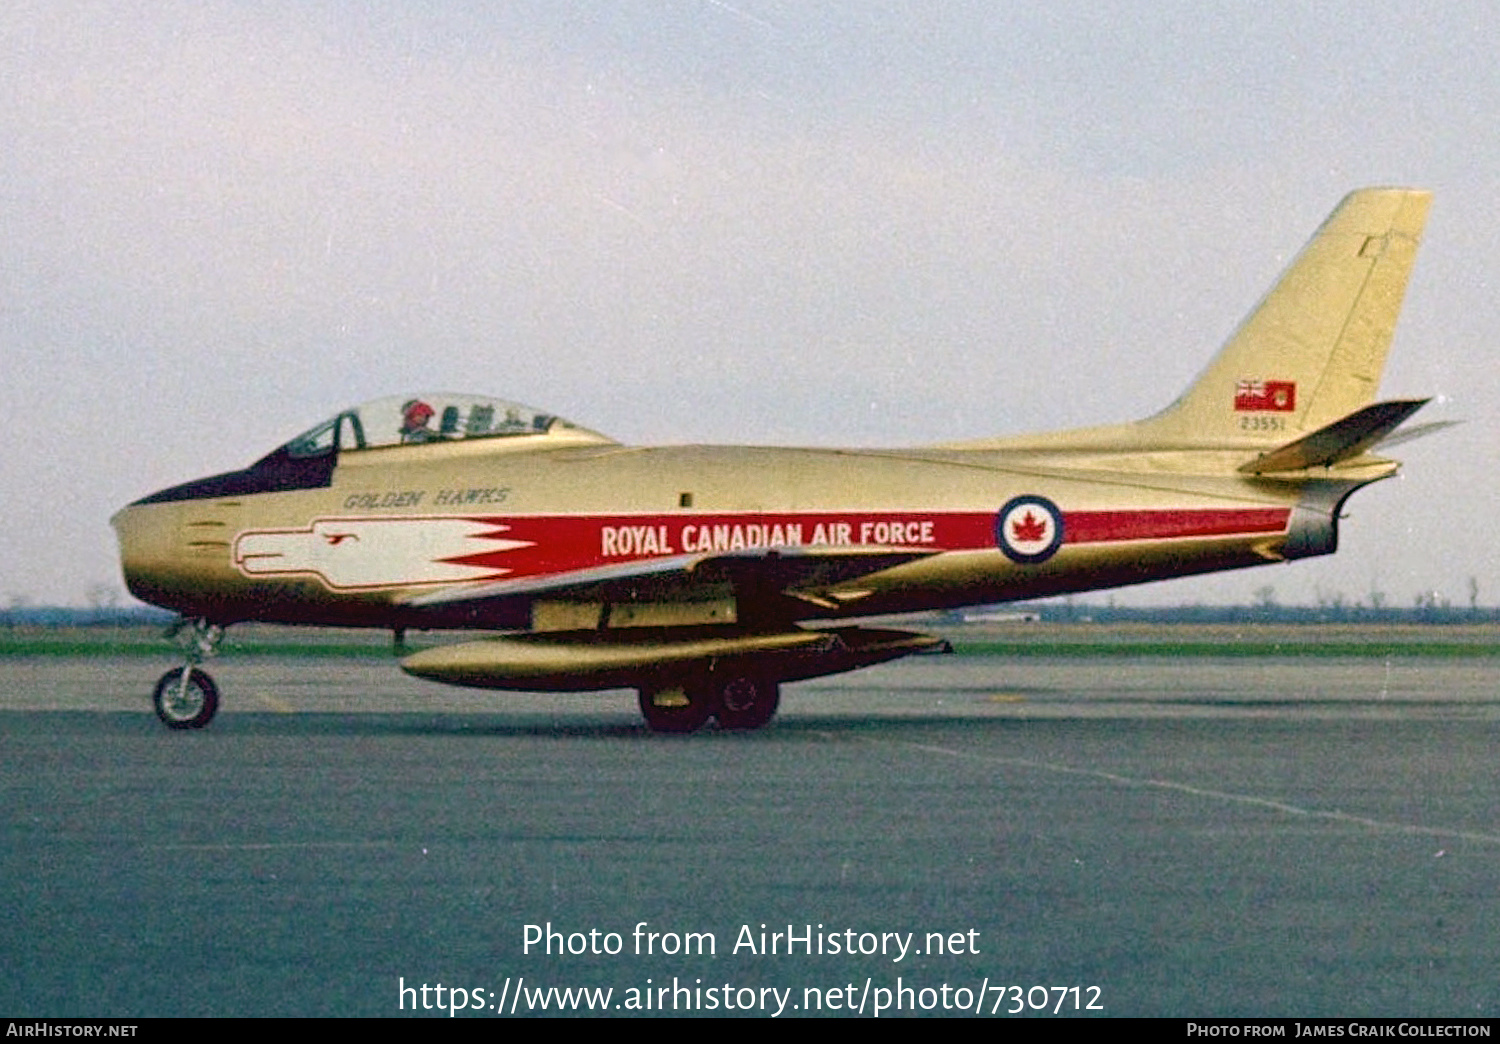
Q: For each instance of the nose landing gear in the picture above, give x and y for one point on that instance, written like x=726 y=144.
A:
x=185 y=697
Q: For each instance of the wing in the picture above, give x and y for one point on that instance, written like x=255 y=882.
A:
x=756 y=581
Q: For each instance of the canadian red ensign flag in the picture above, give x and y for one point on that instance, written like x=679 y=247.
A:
x=1273 y=396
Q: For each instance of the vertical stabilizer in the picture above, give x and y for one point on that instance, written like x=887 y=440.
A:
x=1313 y=350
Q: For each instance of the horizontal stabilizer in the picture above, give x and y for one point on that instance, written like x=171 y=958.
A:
x=1341 y=440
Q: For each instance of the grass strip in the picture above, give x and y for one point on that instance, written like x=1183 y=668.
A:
x=1374 y=647
x=1229 y=648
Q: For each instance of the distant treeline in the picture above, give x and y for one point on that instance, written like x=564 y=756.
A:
x=101 y=616
x=1080 y=612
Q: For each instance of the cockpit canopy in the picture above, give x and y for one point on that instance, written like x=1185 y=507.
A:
x=435 y=418
x=405 y=420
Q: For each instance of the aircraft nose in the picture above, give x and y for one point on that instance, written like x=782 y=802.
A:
x=145 y=534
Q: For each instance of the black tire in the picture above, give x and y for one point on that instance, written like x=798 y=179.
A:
x=687 y=708
x=191 y=711
x=746 y=701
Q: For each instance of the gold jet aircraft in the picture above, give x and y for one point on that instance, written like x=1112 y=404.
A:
x=706 y=576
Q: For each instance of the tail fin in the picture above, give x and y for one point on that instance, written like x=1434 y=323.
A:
x=1313 y=350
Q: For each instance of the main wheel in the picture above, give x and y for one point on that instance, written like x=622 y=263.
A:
x=186 y=708
x=747 y=702
x=677 y=708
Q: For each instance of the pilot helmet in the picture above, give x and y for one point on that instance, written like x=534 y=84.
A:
x=415 y=413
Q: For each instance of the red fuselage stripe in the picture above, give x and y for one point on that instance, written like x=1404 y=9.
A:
x=563 y=543
x=1101 y=527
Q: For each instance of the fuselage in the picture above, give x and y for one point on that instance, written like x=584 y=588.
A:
x=394 y=524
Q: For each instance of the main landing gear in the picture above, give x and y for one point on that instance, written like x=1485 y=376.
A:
x=740 y=701
x=185 y=697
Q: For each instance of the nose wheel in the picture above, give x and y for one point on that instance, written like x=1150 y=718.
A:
x=185 y=697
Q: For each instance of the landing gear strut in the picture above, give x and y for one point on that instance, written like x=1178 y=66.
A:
x=185 y=697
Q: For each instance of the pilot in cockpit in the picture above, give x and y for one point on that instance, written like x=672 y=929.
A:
x=415 y=415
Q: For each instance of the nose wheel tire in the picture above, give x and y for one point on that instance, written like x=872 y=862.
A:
x=189 y=706
x=747 y=702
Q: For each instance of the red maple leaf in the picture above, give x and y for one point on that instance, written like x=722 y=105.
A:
x=1030 y=529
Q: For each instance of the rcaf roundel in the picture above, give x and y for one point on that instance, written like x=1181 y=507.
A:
x=1029 y=529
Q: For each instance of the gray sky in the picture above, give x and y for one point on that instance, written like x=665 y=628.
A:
x=698 y=221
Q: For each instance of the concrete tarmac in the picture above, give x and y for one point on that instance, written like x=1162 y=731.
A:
x=1198 y=837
